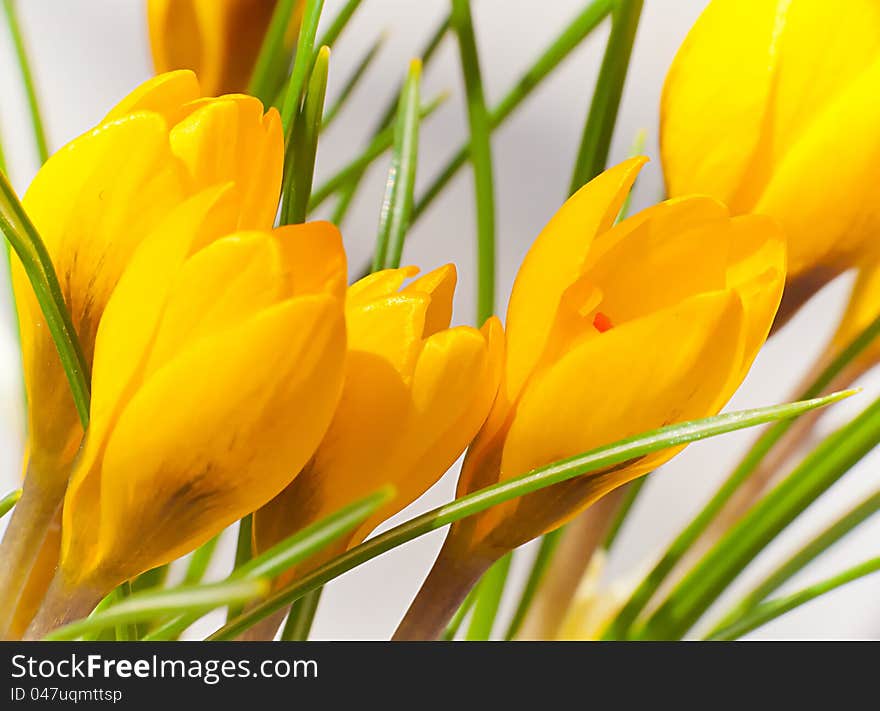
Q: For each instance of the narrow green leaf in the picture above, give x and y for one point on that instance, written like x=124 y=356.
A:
x=595 y=460
x=302 y=66
x=400 y=186
x=302 y=615
x=749 y=464
x=145 y=606
x=244 y=543
x=770 y=610
x=339 y=23
x=349 y=189
x=458 y=618
x=26 y=241
x=202 y=556
x=153 y=578
x=273 y=61
x=481 y=156
x=547 y=547
x=244 y=549
x=9 y=501
x=381 y=143
x=291 y=551
x=487 y=600
x=829 y=461
x=352 y=82
x=557 y=51
x=602 y=117
x=27 y=79
x=818 y=545
x=125 y=631
x=299 y=170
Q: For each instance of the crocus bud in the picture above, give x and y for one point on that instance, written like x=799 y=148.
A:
x=611 y=331
x=217 y=39
x=753 y=115
x=218 y=364
x=93 y=203
x=416 y=392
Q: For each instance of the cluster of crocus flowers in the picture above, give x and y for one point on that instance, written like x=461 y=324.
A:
x=232 y=344
x=94 y=202
x=754 y=116
x=611 y=331
x=217 y=39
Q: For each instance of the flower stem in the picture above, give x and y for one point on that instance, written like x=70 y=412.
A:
x=21 y=544
x=63 y=604
x=580 y=540
x=442 y=593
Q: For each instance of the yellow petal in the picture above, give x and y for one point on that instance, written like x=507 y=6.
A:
x=163 y=94
x=129 y=323
x=379 y=284
x=669 y=367
x=824 y=193
x=229 y=140
x=807 y=81
x=647 y=262
x=314 y=258
x=390 y=327
x=222 y=285
x=249 y=404
x=555 y=260
x=351 y=461
x=440 y=286
x=756 y=271
x=718 y=86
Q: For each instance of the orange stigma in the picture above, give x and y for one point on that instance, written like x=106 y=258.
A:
x=602 y=323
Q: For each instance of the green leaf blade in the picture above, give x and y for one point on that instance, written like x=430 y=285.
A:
x=772 y=609
x=602 y=457
x=8 y=502
x=142 y=607
x=399 y=194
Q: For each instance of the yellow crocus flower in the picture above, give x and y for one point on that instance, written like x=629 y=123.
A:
x=218 y=364
x=771 y=107
x=611 y=331
x=218 y=39
x=416 y=392
x=93 y=202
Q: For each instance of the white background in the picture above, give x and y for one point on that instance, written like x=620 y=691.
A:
x=89 y=53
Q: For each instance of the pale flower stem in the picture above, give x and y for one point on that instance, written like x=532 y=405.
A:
x=443 y=591
x=21 y=544
x=581 y=539
x=63 y=603
x=265 y=630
